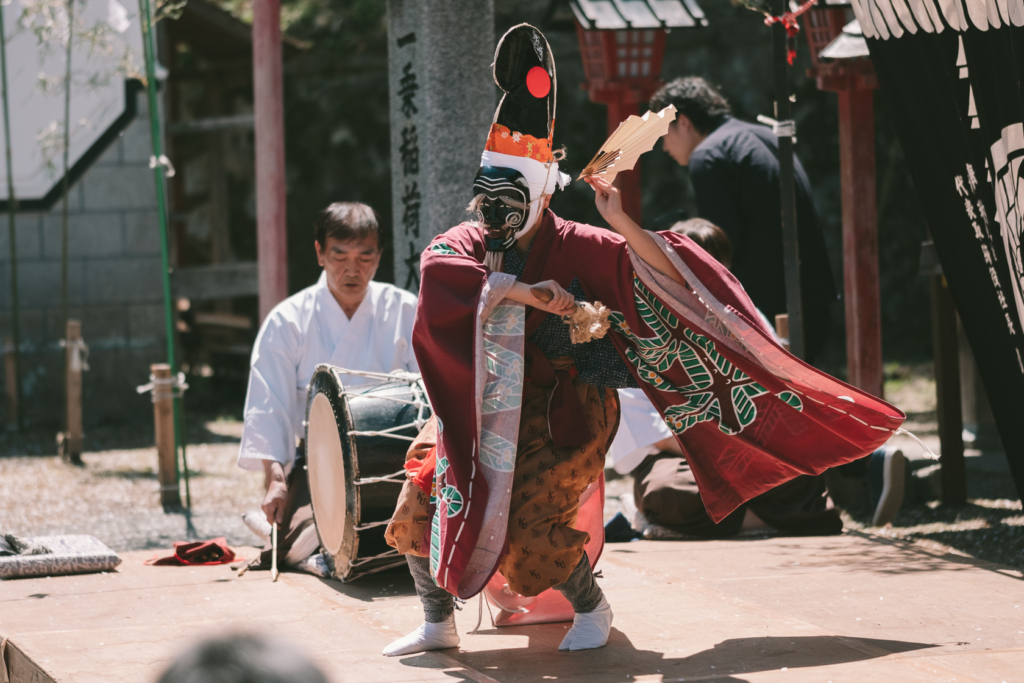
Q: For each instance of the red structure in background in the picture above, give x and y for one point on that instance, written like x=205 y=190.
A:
x=623 y=46
x=851 y=76
x=268 y=101
x=623 y=70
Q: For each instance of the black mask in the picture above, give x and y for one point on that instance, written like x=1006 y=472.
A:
x=502 y=202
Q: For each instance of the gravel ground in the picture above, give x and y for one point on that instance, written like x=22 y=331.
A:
x=115 y=497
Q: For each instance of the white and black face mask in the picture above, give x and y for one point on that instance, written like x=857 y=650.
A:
x=501 y=203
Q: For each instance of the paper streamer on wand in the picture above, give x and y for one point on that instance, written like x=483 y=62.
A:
x=633 y=137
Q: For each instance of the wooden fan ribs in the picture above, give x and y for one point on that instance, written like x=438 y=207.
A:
x=633 y=137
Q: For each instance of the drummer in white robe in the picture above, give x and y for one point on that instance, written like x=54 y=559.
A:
x=346 y=319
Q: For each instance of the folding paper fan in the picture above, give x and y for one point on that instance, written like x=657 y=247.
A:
x=633 y=137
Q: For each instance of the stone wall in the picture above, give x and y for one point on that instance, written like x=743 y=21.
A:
x=114 y=286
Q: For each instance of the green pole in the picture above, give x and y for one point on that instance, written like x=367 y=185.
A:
x=12 y=207
x=145 y=19
x=64 y=211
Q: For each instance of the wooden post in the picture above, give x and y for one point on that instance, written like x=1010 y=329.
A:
x=268 y=96
x=860 y=239
x=787 y=188
x=782 y=329
x=11 y=383
x=70 y=442
x=163 y=421
x=947 y=389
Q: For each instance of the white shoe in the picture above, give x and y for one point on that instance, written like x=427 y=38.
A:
x=258 y=524
x=589 y=630
x=426 y=637
x=315 y=565
x=305 y=545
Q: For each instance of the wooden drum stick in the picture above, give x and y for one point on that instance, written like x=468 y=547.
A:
x=273 y=553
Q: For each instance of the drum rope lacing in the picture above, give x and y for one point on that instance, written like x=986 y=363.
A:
x=419 y=402
x=390 y=553
x=422 y=405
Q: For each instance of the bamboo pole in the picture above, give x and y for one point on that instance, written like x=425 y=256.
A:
x=13 y=367
x=146 y=21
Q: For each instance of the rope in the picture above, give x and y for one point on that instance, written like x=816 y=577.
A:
x=792 y=26
x=81 y=348
x=162 y=160
x=386 y=433
x=164 y=388
x=390 y=553
x=398 y=376
x=928 y=452
x=396 y=478
x=480 y=614
x=419 y=401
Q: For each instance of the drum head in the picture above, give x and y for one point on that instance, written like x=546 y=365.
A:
x=332 y=471
x=327 y=473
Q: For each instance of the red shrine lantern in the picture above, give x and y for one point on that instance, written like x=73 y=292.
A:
x=622 y=44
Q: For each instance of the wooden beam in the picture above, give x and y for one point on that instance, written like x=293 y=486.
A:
x=220 y=281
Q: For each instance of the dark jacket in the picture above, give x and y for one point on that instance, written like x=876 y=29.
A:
x=735 y=174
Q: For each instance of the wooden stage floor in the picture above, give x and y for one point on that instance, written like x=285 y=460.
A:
x=849 y=608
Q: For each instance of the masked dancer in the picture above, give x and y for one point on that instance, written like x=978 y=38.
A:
x=524 y=416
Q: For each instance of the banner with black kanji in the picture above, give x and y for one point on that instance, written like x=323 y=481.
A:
x=951 y=72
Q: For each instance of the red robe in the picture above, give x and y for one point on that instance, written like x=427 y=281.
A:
x=748 y=415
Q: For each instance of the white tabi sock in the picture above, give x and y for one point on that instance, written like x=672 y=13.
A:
x=589 y=630
x=258 y=524
x=426 y=637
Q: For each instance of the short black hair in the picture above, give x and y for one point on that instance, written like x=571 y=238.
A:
x=347 y=221
x=708 y=237
x=242 y=658
x=694 y=98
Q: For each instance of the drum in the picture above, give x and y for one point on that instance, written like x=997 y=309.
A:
x=356 y=440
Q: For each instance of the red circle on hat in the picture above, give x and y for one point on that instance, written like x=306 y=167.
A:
x=538 y=82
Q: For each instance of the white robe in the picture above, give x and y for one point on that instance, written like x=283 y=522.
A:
x=640 y=427
x=303 y=331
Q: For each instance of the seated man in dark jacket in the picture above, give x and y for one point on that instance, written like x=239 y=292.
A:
x=734 y=167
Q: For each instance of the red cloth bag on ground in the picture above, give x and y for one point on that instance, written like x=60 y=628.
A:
x=215 y=551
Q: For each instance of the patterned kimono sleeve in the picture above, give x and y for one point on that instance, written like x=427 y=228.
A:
x=468 y=341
